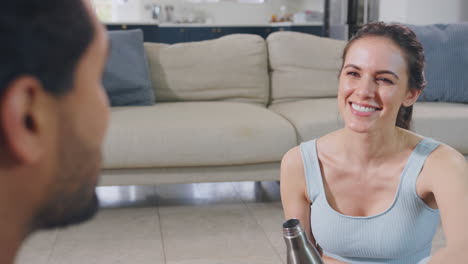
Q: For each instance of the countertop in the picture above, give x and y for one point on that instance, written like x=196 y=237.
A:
x=113 y=23
x=281 y=24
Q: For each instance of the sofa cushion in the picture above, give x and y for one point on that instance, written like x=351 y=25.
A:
x=303 y=66
x=446 y=52
x=312 y=118
x=126 y=75
x=196 y=134
x=445 y=122
x=232 y=68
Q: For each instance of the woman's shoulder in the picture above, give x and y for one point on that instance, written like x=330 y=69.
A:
x=444 y=168
x=444 y=161
x=292 y=160
x=446 y=157
x=295 y=154
x=441 y=153
x=292 y=172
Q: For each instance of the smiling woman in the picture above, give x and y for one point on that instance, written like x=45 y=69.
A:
x=412 y=54
x=356 y=184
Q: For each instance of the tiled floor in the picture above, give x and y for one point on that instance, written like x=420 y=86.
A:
x=208 y=223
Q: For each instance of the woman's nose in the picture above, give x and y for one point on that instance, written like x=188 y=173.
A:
x=366 y=88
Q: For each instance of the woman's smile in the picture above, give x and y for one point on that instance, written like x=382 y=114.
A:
x=361 y=109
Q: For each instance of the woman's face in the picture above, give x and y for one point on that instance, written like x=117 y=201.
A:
x=373 y=84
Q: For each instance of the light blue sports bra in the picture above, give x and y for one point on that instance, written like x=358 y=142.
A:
x=402 y=234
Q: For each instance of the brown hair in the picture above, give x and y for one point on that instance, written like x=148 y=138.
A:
x=406 y=40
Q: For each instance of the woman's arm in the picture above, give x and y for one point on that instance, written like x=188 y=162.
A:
x=296 y=203
x=293 y=189
x=448 y=175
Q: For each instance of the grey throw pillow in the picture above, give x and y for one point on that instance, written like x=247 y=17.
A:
x=446 y=52
x=126 y=76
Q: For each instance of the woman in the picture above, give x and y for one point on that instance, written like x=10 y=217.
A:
x=374 y=192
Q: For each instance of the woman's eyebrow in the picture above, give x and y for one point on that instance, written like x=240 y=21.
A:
x=378 y=72
x=352 y=66
x=389 y=72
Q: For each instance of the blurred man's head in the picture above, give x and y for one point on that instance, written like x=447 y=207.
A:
x=53 y=111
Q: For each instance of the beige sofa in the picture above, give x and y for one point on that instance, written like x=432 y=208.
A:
x=228 y=109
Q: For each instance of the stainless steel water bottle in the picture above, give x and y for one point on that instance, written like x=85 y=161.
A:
x=299 y=249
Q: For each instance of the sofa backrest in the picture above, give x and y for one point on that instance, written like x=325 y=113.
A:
x=232 y=68
x=303 y=66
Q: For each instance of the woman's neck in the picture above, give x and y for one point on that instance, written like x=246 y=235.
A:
x=368 y=148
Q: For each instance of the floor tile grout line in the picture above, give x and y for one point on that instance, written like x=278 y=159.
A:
x=160 y=227
x=261 y=227
x=157 y=203
x=256 y=221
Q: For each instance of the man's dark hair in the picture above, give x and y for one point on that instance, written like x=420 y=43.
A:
x=44 y=39
x=413 y=50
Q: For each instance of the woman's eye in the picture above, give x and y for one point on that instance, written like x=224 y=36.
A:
x=354 y=74
x=385 y=80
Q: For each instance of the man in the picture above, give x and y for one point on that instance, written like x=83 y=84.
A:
x=53 y=116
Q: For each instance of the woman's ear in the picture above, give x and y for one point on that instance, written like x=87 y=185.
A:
x=412 y=96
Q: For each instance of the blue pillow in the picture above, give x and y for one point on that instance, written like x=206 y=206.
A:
x=126 y=75
x=446 y=70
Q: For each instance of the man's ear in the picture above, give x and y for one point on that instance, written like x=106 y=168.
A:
x=412 y=96
x=19 y=118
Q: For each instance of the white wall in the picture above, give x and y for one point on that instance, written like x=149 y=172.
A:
x=422 y=12
x=242 y=13
x=463 y=12
x=223 y=12
x=315 y=5
x=433 y=11
x=393 y=10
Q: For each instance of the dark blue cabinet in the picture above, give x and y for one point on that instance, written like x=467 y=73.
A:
x=150 y=32
x=261 y=31
x=171 y=35
x=314 y=30
x=282 y=28
x=201 y=33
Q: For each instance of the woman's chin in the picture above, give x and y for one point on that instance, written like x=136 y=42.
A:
x=359 y=128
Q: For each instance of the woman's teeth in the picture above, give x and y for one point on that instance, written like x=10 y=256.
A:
x=363 y=108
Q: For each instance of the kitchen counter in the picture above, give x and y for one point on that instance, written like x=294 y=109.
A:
x=283 y=24
x=131 y=23
x=280 y=24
